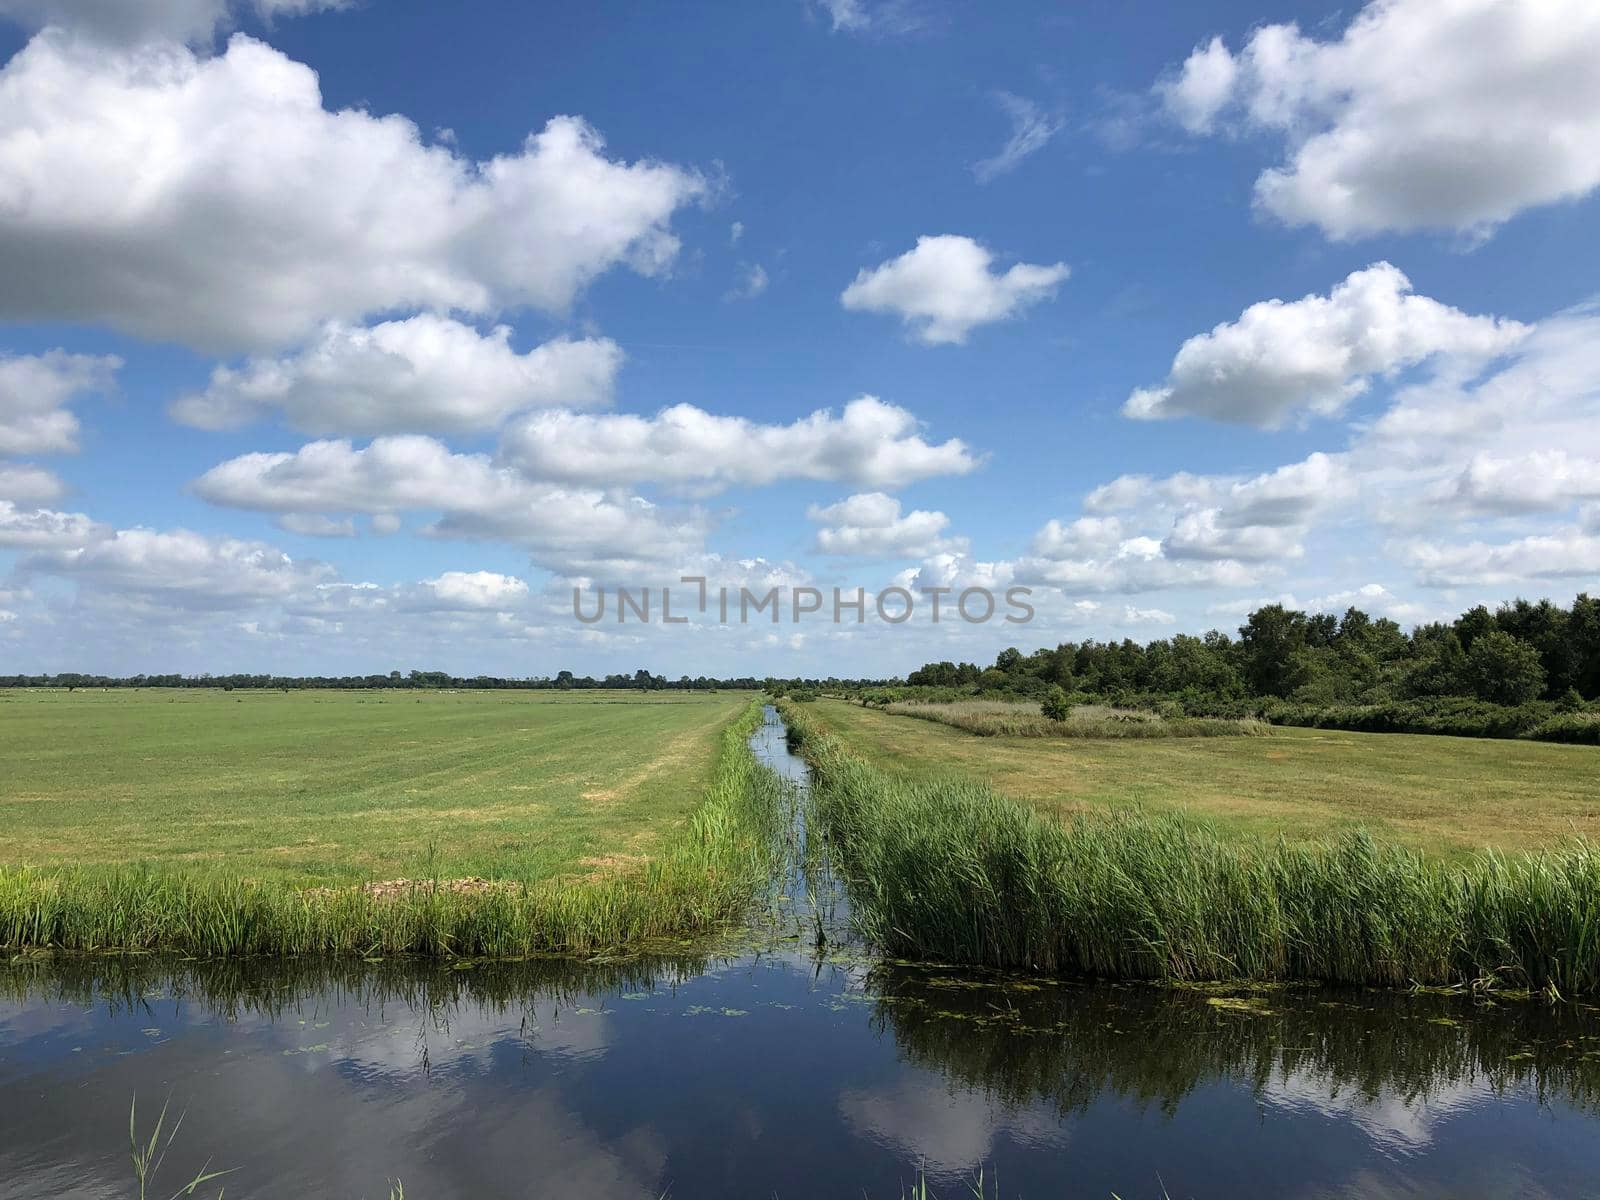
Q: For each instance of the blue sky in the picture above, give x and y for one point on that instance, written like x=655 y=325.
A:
x=311 y=360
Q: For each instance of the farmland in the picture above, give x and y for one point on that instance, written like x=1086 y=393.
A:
x=330 y=788
x=1447 y=795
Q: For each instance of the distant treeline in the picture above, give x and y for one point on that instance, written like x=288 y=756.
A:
x=1523 y=670
x=640 y=680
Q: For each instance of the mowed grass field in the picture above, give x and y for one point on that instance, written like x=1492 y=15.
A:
x=1447 y=795
x=332 y=788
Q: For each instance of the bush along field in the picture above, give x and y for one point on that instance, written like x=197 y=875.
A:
x=1010 y=718
x=703 y=878
x=946 y=869
x=1145 y=715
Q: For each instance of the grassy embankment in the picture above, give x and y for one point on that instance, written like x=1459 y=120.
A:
x=1004 y=718
x=279 y=830
x=1448 y=796
x=944 y=867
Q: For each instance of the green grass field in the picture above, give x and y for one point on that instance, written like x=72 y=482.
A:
x=329 y=788
x=1448 y=795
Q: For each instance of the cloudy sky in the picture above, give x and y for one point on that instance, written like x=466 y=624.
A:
x=350 y=335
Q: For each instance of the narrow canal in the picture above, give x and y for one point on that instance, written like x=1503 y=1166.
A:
x=796 y=1069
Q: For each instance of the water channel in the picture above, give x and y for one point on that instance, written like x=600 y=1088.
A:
x=783 y=1068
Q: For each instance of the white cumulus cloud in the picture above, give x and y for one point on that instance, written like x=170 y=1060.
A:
x=424 y=374
x=870 y=442
x=34 y=392
x=1221 y=530
x=472 y=590
x=1424 y=114
x=391 y=474
x=28 y=484
x=1134 y=570
x=182 y=567
x=1562 y=554
x=569 y=529
x=1538 y=481
x=1290 y=495
x=947 y=286
x=1085 y=537
x=1207 y=535
x=1203 y=88
x=1214 y=518
x=1546 y=395
x=43 y=528
x=214 y=201
x=1099 y=555
x=1133 y=491
x=1312 y=356
x=872 y=524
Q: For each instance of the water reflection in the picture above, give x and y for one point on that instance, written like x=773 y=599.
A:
x=778 y=1074
x=1026 y=1040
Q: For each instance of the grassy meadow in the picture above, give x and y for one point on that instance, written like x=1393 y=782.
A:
x=352 y=824
x=1447 y=795
x=329 y=788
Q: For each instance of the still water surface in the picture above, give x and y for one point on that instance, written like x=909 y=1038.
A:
x=786 y=1072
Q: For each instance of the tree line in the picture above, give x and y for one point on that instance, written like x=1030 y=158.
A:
x=1518 y=670
x=640 y=680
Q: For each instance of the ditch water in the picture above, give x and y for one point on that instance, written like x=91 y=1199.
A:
x=782 y=1070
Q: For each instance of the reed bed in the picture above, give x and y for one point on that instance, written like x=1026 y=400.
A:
x=1000 y=718
x=947 y=869
x=705 y=878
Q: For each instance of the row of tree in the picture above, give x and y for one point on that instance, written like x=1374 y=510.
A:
x=641 y=680
x=1522 y=652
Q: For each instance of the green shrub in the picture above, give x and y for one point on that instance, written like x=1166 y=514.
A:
x=1015 y=718
x=1056 y=706
x=1452 y=715
x=1580 y=727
